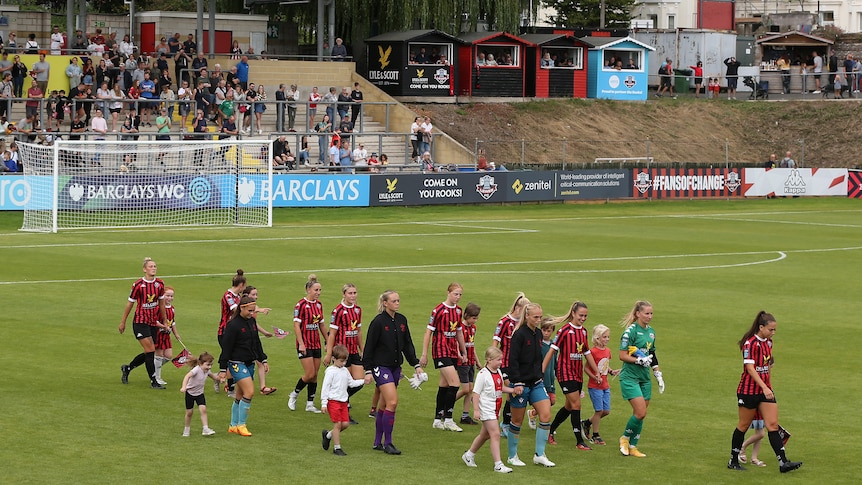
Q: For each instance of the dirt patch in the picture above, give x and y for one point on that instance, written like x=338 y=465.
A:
x=575 y=132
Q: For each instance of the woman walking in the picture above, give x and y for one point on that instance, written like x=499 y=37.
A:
x=387 y=345
x=149 y=295
x=754 y=392
x=637 y=351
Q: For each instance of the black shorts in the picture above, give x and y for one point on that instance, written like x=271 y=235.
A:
x=441 y=362
x=142 y=330
x=665 y=81
x=751 y=401
x=309 y=354
x=569 y=387
x=354 y=359
x=466 y=373
x=731 y=82
x=698 y=80
x=192 y=400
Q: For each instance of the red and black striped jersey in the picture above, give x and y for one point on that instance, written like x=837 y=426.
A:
x=445 y=322
x=469 y=341
x=146 y=294
x=229 y=302
x=169 y=314
x=503 y=334
x=757 y=352
x=571 y=344
x=309 y=316
x=346 y=322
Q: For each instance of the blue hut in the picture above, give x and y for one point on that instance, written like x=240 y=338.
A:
x=617 y=68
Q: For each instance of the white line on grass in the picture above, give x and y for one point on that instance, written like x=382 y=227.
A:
x=434 y=268
x=260 y=239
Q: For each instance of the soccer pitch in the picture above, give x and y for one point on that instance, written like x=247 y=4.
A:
x=706 y=266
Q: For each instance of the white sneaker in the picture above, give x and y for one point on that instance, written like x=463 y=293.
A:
x=502 y=469
x=160 y=381
x=291 y=401
x=450 y=425
x=532 y=418
x=208 y=432
x=543 y=460
x=186 y=433
x=468 y=460
x=311 y=409
x=816 y=92
x=515 y=461
x=437 y=424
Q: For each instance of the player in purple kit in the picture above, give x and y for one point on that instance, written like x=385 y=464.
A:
x=448 y=349
x=307 y=324
x=387 y=344
x=572 y=343
x=148 y=293
x=345 y=328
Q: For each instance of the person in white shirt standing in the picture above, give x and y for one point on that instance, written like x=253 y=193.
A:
x=57 y=41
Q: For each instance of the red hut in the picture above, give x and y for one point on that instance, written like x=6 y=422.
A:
x=556 y=66
x=492 y=64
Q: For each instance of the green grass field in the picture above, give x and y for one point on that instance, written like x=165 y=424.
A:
x=707 y=267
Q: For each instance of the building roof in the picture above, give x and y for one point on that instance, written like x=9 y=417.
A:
x=608 y=42
x=793 y=38
x=553 y=39
x=480 y=37
x=414 y=35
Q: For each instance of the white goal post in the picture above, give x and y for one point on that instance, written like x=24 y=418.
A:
x=143 y=183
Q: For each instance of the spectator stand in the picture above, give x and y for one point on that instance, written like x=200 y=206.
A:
x=567 y=78
x=609 y=83
x=505 y=77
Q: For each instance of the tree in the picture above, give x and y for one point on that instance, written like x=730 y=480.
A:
x=587 y=13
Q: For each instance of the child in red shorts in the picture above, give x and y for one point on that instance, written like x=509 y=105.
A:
x=333 y=397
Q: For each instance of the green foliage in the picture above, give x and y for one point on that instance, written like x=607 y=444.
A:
x=587 y=13
x=71 y=421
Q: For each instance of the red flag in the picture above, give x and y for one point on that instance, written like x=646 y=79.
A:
x=279 y=332
x=180 y=360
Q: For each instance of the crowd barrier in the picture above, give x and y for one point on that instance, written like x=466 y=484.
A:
x=90 y=192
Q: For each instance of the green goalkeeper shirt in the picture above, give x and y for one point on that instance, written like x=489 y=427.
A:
x=644 y=339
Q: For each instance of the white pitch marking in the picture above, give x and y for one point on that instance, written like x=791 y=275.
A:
x=259 y=239
x=781 y=255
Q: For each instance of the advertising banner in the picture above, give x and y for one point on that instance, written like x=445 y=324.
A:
x=428 y=80
x=854 y=184
x=593 y=184
x=794 y=181
x=139 y=192
x=316 y=190
x=16 y=193
x=664 y=183
x=438 y=188
x=528 y=186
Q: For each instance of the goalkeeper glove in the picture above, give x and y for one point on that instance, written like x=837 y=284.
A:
x=417 y=380
x=658 y=377
x=644 y=361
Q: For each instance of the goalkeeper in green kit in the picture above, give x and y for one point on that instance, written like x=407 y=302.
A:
x=637 y=351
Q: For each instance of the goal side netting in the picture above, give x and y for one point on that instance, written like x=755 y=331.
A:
x=132 y=183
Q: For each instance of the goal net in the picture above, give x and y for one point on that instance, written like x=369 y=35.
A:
x=132 y=183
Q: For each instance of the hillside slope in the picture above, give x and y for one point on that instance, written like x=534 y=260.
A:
x=821 y=133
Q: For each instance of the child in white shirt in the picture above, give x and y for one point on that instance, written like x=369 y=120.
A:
x=333 y=398
x=193 y=387
x=487 y=396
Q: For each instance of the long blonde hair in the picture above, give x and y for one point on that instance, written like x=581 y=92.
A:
x=631 y=316
x=523 y=315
